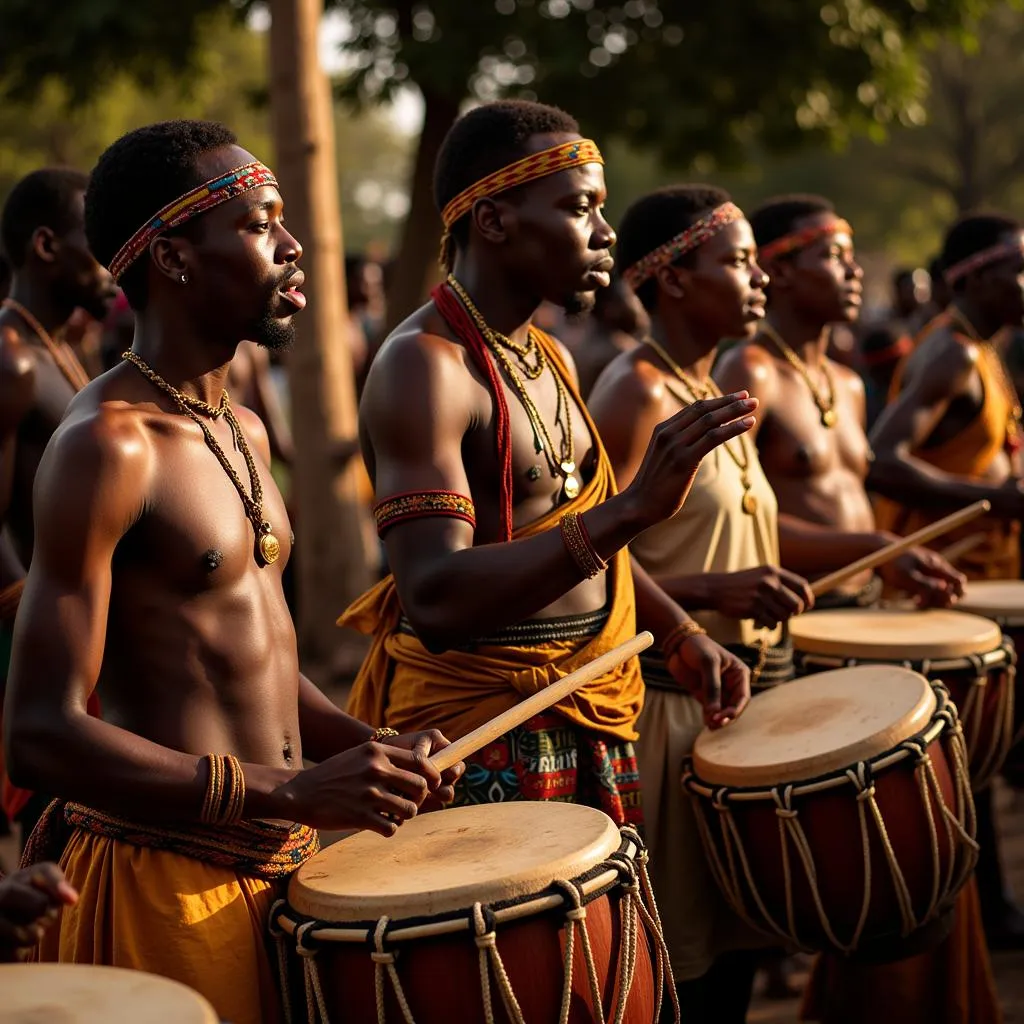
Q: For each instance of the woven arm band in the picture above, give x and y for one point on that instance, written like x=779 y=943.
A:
x=400 y=508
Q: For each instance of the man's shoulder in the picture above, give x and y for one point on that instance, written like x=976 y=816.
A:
x=17 y=361
x=746 y=363
x=943 y=352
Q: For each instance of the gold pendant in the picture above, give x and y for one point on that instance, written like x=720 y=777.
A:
x=268 y=546
x=749 y=503
x=571 y=486
x=828 y=418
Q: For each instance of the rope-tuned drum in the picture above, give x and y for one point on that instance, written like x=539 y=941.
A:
x=502 y=912
x=836 y=812
x=967 y=653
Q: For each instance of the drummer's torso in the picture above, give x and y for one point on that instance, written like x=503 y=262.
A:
x=817 y=471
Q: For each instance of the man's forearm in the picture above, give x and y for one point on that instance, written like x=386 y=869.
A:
x=98 y=764
x=918 y=484
x=812 y=550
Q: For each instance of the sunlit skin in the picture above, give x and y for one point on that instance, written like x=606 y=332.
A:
x=57 y=275
x=816 y=471
x=721 y=295
x=144 y=547
x=427 y=423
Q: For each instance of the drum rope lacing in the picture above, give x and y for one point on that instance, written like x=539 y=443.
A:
x=636 y=906
x=959 y=827
x=983 y=764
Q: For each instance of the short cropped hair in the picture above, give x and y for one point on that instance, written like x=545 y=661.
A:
x=655 y=218
x=137 y=176
x=45 y=198
x=973 y=234
x=775 y=218
x=486 y=139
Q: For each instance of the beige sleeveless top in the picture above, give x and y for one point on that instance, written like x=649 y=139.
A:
x=712 y=533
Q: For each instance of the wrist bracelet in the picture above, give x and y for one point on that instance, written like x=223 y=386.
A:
x=382 y=733
x=579 y=545
x=678 y=635
x=224 y=799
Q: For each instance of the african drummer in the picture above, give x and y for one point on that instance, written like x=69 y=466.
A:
x=497 y=503
x=160 y=540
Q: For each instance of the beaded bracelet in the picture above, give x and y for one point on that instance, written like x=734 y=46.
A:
x=381 y=733
x=579 y=545
x=678 y=635
x=224 y=799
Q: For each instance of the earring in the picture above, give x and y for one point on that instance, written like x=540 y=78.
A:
x=184 y=279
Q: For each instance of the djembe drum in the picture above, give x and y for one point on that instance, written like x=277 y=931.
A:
x=967 y=653
x=836 y=812
x=1002 y=601
x=501 y=912
x=84 y=994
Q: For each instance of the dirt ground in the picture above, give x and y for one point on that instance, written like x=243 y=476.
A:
x=1008 y=967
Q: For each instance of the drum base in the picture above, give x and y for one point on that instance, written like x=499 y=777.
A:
x=893 y=948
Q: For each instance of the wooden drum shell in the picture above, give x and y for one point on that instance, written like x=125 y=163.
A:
x=830 y=821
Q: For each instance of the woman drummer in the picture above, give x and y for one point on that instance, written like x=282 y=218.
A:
x=690 y=255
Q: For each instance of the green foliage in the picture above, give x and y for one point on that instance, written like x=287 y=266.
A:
x=696 y=82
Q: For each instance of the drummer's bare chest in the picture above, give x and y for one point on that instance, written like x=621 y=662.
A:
x=540 y=445
x=794 y=439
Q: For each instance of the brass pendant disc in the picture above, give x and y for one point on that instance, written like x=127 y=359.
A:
x=571 y=486
x=828 y=418
x=749 y=503
x=269 y=548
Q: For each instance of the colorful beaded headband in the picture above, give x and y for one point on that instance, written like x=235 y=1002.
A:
x=696 y=234
x=529 y=168
x=992 y=254
x=214 y=192
x=799 y=239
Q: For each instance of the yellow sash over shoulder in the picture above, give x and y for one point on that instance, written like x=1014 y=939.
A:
x=403 y=685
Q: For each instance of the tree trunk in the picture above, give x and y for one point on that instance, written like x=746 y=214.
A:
x=332 y=547
x=416 y=267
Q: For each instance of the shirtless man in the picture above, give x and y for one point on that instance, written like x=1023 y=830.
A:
x=953 y=436
x=498 y=509
x=811 y=417
x=42 y=227
x=160 y=539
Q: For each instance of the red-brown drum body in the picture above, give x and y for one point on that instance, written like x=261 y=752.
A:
x=836 y=812
x=967 y=653
x=512 y=912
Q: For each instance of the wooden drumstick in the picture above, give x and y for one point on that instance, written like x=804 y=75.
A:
x=962 y=547
x=891 y=551
x=538 y=702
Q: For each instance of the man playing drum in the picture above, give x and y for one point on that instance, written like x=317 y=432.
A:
x=953 y=434
x=160 y=539
x=813 y=447
x=497 y=503
x=810 y=431
x=42 y=229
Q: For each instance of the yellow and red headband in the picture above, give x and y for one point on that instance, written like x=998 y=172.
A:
x=200 y=199
x=529 y=168
x=696 y=234
x=992 y=254
x=800 y=239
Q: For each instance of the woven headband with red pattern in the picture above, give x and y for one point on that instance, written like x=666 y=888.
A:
x=800 y=239
x=200 y=199
x=992 y=254
x=529 y=168
x=668 y=252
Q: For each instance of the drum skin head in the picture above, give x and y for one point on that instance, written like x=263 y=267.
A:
x=448 y=860
x=995 y=599
x=84 y=994
x=816 y=725
x=890 y=635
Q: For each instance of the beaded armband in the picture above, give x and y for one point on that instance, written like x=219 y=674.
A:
x=579 y=545
x=225 y=791
x=417 y=504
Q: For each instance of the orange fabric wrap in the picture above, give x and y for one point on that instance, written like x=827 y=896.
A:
x=403 y=685
x=969 y=454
